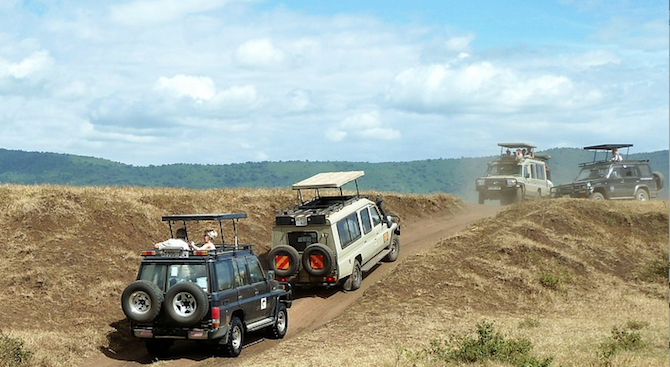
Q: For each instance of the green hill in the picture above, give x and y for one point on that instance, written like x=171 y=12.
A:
x=454 y=176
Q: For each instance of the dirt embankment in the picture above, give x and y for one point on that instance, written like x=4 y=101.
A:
x=572 y=269
x=70 y=251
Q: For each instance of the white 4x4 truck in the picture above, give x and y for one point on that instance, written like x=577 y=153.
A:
x=332 y=240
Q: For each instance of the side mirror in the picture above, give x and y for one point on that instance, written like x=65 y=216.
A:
x=270 y=275
x=389 y=221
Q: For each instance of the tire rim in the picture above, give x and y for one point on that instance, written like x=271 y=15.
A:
x=642 y=196
x=394 y=248
x=184 y=304
x=357 y=274
x=236 y=337
x=140 y=302
x=281 y=322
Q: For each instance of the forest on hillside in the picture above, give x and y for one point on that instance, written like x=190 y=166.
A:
x=454 y=175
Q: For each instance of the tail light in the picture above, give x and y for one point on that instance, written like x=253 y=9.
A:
x=216 y=320
x=282 y=279
x=148 y=252
x=331 y=279
x=200 y=253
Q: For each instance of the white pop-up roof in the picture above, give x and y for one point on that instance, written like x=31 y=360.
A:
x=328 y=180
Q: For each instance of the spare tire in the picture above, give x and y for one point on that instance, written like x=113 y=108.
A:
x=659 y=179
x=287 y=253
x=186 y=304
x=323 y=265
x=141 y=301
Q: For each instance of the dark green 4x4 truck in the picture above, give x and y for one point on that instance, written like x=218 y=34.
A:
x=212 y=296
x=613 y=178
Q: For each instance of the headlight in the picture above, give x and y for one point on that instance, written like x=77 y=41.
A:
x=588 y=184
x=480 y=182
x=511 y=182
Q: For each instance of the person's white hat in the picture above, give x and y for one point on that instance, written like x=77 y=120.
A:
x=211 y=234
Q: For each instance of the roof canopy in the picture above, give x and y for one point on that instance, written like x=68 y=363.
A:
x=189 y=217
x=608 y=146
x=328 y=180
x=516 y=145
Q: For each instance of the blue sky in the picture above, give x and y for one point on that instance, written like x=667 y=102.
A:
x=225 y=81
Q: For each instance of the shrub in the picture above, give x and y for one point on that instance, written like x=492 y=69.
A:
x=550 y=281
x=626 y=338
x=12 y=353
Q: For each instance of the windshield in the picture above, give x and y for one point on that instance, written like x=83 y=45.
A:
x=504 y=169
x=171 y=274
x=588 y=173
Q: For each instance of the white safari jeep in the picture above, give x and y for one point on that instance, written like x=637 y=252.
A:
x=332 y=240
x=513 y=177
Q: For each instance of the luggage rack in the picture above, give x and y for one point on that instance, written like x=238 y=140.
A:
x=181 y=253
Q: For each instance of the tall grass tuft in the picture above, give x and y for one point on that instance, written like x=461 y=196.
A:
x=12 y=352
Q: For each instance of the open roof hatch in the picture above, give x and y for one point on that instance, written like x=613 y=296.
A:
x=328 y=180
x=607 y=148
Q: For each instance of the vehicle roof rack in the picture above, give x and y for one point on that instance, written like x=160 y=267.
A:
x=328 y=180
x=606 y=148
x=516 y=145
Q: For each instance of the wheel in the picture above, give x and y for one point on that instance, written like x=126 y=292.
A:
x=279 y=256
x=481 y=199
x=659 y=179
x=395 y=250
x=141 y=301
x=186 y=304
x=317 y=259
x=518 y=195
x=233 y=346
x=278 y=330
x=597 y=196
x=354 y=281
x=158 y=347
x=641 y=195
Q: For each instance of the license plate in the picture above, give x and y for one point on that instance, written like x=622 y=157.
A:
x=494 y=188
x=300 y=221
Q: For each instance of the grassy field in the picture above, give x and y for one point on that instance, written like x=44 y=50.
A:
x=70 y=251
x=562 y=282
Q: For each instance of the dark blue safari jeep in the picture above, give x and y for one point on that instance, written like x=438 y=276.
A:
x=212 y=296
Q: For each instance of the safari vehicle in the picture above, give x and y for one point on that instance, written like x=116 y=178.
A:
x=607 y=179
x=213 y=296
x=511 y=179
x=332 y=240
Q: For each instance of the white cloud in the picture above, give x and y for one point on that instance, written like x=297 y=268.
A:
x=335 y=135
x=461 y=43
x=148 y=12
x=366 y=125
x=35 y=65
x=483 y=88
x=237 y=96
x=259 y=53
x=196 y=87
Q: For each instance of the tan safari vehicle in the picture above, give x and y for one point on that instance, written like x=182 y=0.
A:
x=511 y=178
x=332 y=240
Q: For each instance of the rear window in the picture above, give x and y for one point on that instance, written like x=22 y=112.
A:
x=300 y=240
x=165 y=276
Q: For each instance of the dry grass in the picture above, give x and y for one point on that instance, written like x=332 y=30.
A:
x=70 y=251
x=599 y=252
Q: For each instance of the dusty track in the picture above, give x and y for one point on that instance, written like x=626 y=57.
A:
x=313 y=309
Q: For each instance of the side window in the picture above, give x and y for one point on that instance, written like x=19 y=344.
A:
x=354 y=227
x=645 y=171
x=343 y=233
x=533 y=169
x=224 y=275
x=541 y=169
x=376 y=219
x=365 y=219
x=255 y=271
x=240 y=272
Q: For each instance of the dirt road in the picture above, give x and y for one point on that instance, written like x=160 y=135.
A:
x=314 y=308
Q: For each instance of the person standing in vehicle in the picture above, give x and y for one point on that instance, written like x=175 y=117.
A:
x=178 y=242
x=616 y=157
x=209 y=235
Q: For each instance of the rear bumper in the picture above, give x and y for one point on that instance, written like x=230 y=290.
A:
x=150 y=332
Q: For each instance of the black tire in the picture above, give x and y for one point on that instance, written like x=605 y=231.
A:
x=158 y=347
x=659 y=179
x=186 y=304
x=354 y=281
x=141 y=301
x=597 y=196
x=293 y=258
x=233 y=346
x=395 y=250
x=641 y=195
x=328 y=259
x=280 y=327
x=481 y=199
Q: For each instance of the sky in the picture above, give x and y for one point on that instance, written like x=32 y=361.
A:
x=153 y=82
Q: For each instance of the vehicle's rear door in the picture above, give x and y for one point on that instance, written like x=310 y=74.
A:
x=245 y=290
x=263 y=304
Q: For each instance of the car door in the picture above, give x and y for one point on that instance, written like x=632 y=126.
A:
x=263 y=305
x=370 y=242
x=245 y=290
x=631 y=180
x=622 y=181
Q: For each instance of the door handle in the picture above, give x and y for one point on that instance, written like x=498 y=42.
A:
x=256 y=292
x=240 y=297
